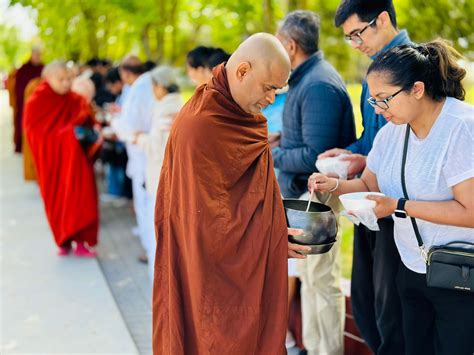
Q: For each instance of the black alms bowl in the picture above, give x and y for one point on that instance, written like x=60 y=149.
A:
x=319 y=224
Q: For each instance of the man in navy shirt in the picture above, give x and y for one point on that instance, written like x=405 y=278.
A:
x=371 y=27
x=317 y=116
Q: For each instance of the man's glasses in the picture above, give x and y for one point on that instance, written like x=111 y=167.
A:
x=383 y=104
x=356 y=36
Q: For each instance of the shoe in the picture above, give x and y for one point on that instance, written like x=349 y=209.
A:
x=290 y=340
x=82 y=251
x=64 y=251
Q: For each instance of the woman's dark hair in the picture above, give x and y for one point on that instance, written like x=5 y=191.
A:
x=434 y=64
x=217 y=57
x=199 y=56
x=112 y=76
x=172 y=88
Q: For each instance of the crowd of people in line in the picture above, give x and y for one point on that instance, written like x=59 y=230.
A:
x=207 y=178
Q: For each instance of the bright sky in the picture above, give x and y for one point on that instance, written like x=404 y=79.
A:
x=18 y=16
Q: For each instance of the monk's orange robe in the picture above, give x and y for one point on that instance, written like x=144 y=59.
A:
x=29 y=170
x=221 y=261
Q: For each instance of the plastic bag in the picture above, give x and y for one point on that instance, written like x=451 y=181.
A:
x=333 y=165
x=366 y=217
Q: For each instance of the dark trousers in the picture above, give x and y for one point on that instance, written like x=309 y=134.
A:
x=435 y=320
x=374 y=296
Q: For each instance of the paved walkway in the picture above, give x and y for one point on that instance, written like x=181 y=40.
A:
x=52 y=305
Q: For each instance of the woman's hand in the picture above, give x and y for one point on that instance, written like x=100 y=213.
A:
x=321 y=183
x=385 y=206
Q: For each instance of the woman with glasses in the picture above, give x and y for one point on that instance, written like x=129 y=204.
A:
x=418 y=89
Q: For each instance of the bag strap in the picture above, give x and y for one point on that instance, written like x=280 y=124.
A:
x=405 y=193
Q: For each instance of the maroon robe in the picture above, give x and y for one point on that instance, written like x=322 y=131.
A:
x=220 y=282
x=23 y=76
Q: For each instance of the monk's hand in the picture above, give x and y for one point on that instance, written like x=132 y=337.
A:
x=321 y=183
x=385 y=206
x=295 y=250
x=333 y=153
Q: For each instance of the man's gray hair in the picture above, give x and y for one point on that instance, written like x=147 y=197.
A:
x=302 y=27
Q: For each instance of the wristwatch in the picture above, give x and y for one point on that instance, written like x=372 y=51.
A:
x=400 y=211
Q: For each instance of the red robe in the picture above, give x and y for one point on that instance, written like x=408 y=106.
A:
x=220 y=282
x=65 y=175
x=23 y=76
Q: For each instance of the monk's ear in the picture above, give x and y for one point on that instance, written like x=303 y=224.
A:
x=242 y=70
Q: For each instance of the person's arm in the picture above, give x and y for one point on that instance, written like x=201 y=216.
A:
x=322 y=183
x=457 y=212
x=321 y=113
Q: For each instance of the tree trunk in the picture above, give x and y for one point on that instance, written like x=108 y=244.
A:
x=268 y=16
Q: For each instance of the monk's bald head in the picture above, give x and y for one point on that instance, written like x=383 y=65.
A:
x=258 y=67
x=58 y=77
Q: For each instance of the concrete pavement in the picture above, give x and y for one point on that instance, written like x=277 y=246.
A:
x=49 y=305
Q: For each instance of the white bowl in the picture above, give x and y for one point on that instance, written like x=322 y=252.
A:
x=357 y=201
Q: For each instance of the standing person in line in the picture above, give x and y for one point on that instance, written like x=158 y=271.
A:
x=418 y=90
x=371 y=28
x=136 y=116
x=65 y=174
x=168 y=104
x=201 y=60
x=28 y=71
x=317 y=116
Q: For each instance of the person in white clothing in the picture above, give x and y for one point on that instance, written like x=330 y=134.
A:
x=136 y=116
x=418 y=89
x=168 y=104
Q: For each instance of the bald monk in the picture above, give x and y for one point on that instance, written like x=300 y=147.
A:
x=65 y=175
x=28 y=71
x=220 y=282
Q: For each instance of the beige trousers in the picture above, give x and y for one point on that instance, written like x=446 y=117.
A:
x=322 y=299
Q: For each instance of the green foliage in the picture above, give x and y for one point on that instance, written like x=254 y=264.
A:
x=165 y=30
x=13 y=51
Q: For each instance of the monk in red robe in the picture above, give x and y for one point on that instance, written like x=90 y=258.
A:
x=65 y=174
x=220 y=282
x=30 y=70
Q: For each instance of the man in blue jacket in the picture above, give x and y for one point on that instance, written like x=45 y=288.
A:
x=317 y=116
x=371 y=27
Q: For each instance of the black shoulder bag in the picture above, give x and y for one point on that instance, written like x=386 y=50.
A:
x=449 y=266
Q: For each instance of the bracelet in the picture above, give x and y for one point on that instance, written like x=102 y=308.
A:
x=335 y=187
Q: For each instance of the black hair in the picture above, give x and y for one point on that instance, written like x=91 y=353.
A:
x=112 y=76
x=134 y=69
x=366 y=10
x=434 y=64
x=172 y=88
x=199 y=56
x=105 y=62
x=149 y=65
x=93 y=62
x=217 y=57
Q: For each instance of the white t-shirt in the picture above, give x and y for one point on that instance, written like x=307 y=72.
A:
x=434 y=165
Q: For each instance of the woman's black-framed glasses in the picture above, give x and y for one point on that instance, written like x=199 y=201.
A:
x=356 y=36
x=383 y=104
